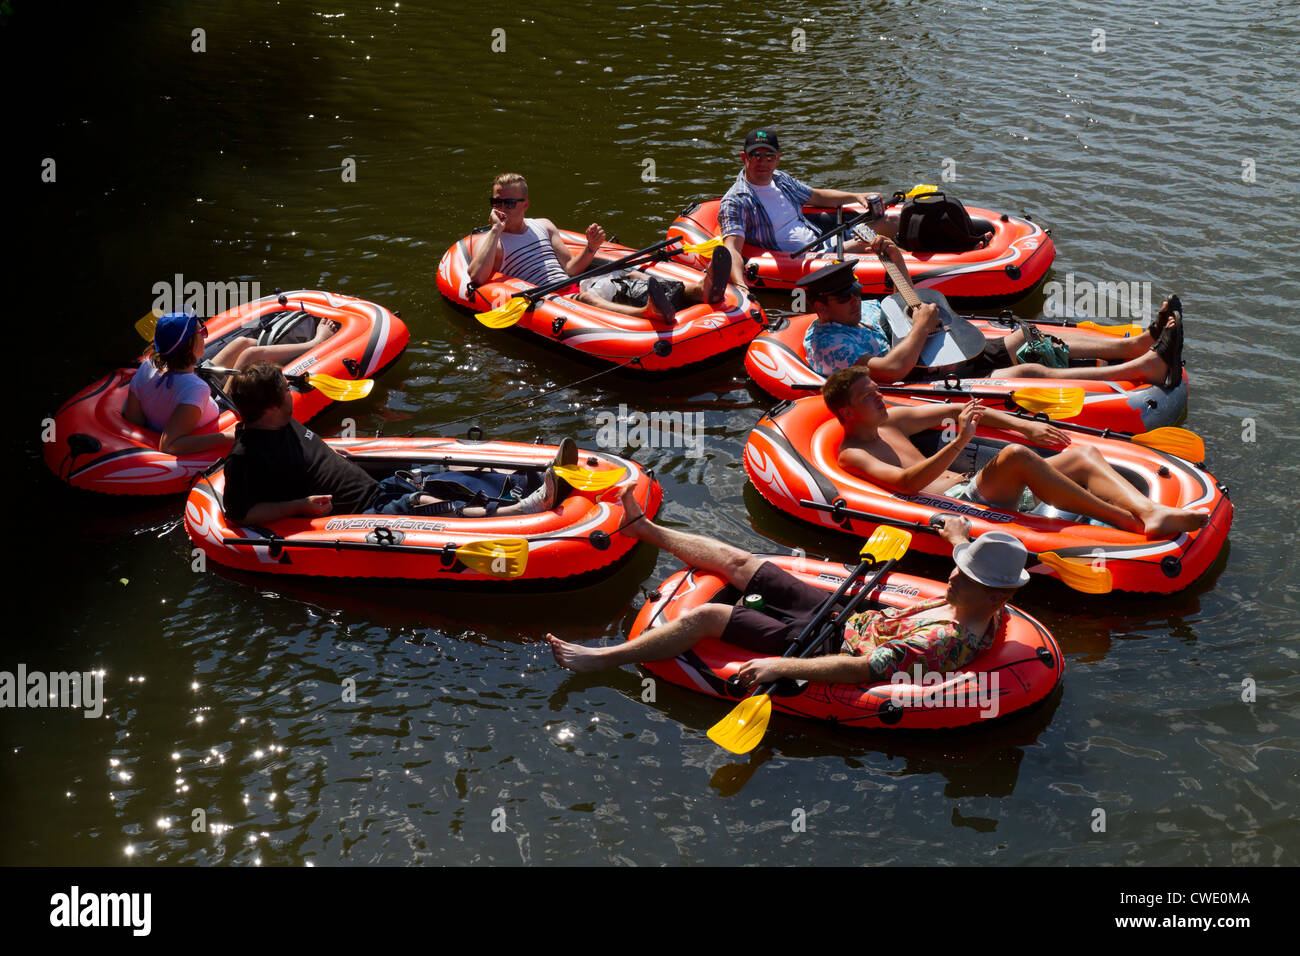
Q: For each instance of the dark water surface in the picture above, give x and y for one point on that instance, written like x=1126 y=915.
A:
x=224 y=693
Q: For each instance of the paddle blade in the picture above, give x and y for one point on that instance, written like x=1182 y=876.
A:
x=146 y=324
x=742 y=729
x=1174 y=441
x=920 y=188
x=339 y=389
x=1080 y=575
x=1119 y=331
x=583 y=479
x=1054 y=402
x=500 y=557
x=506 y=316
x=703 y=248
x=887 y=544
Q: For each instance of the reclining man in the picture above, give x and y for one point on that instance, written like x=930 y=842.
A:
x=848 y=331
x=943 y=634
x=532 y=250
x=877 y=447
x=280 y=469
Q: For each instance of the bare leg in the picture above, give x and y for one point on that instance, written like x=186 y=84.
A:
x=656 y=644
x=1016 y=466
x=1088 y=467
x=694 y=550
x=602 y=303
x=1149 y=367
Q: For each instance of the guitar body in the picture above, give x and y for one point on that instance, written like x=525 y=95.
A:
x=958 y=341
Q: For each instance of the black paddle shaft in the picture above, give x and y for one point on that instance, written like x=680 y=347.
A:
x=838 y=230
x=641 y=256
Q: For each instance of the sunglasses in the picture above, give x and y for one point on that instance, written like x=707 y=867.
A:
x=508 y=203
x=842 y=297
x=763 y=154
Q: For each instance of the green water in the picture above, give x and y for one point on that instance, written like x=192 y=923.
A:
x=226 y=164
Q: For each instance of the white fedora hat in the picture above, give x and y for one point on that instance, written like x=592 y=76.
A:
x=995 y=559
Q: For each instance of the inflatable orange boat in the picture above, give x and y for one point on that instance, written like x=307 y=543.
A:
x=701 y=332
x=1022 y=667
x=563 y=545
x=1009 y=266
x=791 y=459
x=778 y=364
x=96 y=448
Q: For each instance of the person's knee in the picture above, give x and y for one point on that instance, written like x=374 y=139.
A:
x=707 y=620
x=1016 y=454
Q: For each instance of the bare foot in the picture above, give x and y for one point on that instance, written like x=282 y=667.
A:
x=632 y=526
x=324 y=329
x=575 y=657
x=1166 y=522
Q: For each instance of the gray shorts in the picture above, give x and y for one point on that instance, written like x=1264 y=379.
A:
x=625 y=288
x=966 y=491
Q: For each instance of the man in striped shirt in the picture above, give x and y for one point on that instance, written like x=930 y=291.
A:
x=764 y=207
x=532 y=250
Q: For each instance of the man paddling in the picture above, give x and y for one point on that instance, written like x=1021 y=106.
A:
x=941 y=635
x=877 y=446
x=280 y=469
x=532 y=250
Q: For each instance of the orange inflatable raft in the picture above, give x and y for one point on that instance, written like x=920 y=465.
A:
x=791 y=459
x=778 y=364
x=96 y=448
x=576 y=539
x=1019 y=670
x=1009 y=266
x=701 y=332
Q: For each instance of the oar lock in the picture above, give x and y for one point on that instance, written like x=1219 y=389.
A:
x=385 y=537
x=557 y=324
x=1045 y=656
x=353 y=366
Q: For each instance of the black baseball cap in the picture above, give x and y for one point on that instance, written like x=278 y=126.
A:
x=830 y=280
x=762 y=137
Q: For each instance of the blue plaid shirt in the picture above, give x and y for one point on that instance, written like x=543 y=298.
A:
x=741 y=212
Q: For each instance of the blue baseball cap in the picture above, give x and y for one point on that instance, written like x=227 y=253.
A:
x=173 y=330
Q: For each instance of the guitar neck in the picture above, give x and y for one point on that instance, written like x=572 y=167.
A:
x=902 y=282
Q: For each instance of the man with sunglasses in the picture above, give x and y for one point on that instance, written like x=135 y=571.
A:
x=848 y=330
x=764 y=208
x=532 y=250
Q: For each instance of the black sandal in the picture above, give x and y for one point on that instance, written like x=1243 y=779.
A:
x=1169 y=346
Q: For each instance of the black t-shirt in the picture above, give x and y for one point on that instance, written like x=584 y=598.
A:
x=284 y=464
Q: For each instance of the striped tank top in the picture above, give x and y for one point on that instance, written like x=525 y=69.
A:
x=528 y=255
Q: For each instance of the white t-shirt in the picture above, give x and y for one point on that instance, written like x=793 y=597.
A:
x=788 y=224
x=159 y=393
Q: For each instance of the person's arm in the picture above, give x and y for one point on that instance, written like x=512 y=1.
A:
x=265 y=512
x=901 y=359
x=572 y=263
x=487 y=255
x=1039 y=432
x=176 y=437
x=838 y=197
x=132 y=411
x=913 y=478
x=825 y=669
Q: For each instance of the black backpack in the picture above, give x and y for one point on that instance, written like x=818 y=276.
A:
x=931 y=222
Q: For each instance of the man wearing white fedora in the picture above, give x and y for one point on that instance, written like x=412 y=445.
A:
x=941 y=635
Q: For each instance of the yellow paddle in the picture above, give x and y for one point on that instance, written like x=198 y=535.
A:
x=1175 y=441
x=146 y=324
x=1053 y=402
x=499 y=557
x=1078 y=575
x=583 y=479
x=505 y=316
x=703 y=248
x=742 y=729
x=1119 y=331
x=341 y=390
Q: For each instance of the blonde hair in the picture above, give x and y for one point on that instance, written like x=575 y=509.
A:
x=512 y=179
